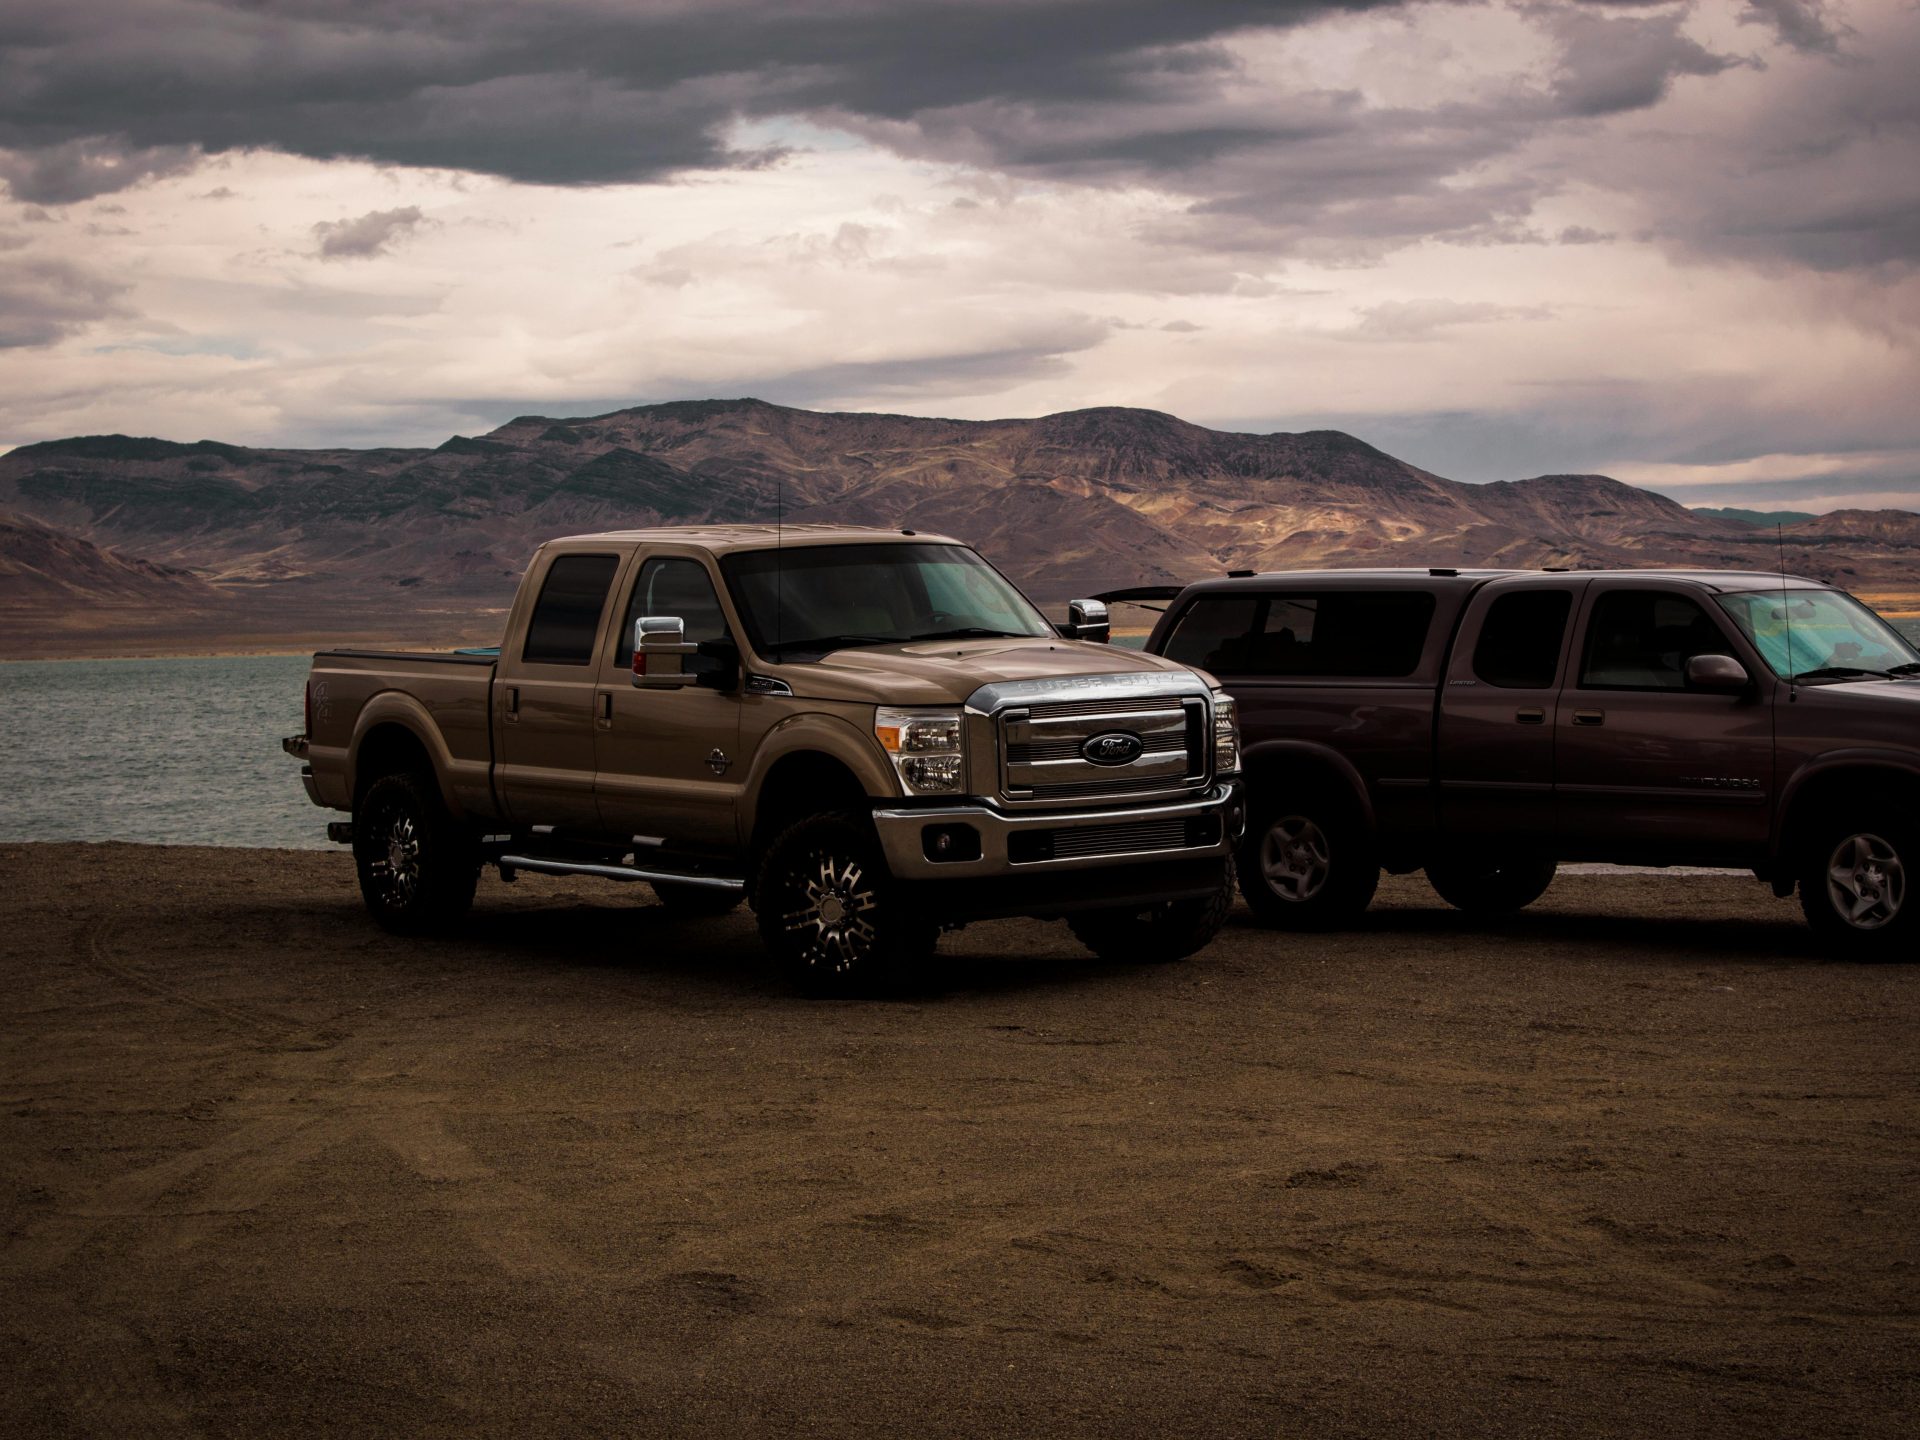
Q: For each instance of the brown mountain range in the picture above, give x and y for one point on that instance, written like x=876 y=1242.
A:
x=264 y=547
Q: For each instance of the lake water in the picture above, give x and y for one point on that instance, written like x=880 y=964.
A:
x=181 y=752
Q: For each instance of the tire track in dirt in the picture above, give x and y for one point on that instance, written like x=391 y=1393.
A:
x=89 y=947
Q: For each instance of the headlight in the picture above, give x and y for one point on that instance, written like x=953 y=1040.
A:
x=927 y=747
x=1226 y=734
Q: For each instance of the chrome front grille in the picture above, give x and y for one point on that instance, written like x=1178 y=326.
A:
x=1043 y=756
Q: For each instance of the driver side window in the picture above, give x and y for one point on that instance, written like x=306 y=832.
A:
x=1643 y=639
x=672 y=586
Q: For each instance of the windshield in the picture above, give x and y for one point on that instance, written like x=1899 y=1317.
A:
x=1822 y=633
x=815 y=598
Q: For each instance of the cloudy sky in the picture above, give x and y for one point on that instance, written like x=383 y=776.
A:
x=1671 y=242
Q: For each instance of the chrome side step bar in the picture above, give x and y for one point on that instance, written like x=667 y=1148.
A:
x=538 y=866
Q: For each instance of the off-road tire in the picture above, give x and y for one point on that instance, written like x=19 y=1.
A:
x=1156 y=934
x=418 y=866
x=1495 y=885
x=1308 y=861
x=1857 y=879
x=831 y=914
x=696 y=901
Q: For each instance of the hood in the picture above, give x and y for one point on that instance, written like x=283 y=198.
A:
x=946 y=672
x=1898 y=696
x=1853 y=714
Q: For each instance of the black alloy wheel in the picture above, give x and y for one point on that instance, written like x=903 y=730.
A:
x=418 y=866
x=830 y=912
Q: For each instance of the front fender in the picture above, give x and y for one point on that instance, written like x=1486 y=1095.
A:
x=818 y=734
x=1858 y=758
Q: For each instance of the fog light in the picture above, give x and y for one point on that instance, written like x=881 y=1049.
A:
x=950 y=843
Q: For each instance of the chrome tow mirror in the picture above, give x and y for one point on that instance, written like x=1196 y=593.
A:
x=660 y=651
x=1087 y=620
x=1721 y=674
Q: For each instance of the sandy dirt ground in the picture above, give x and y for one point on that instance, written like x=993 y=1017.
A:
x=1635 y=1162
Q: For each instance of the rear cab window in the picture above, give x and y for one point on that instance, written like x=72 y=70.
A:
x=1317 y=634
x=1521 y=639
x=566 y=618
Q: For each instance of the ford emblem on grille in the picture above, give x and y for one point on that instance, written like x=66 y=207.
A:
x=1115 y=747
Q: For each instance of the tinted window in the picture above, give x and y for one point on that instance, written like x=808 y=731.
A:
x=673 y=587
x=1212 y=630
x=1642 y=640
x=1377 y=634
x=566 y=618
x=1520 y=641
x=813 y=599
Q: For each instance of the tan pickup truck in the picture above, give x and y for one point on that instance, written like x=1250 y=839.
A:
x=871 y=735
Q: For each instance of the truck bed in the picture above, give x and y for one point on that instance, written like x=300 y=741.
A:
x=445 y=696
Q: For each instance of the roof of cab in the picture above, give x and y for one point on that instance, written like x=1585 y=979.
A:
x=720 y=538
x=1716 y=580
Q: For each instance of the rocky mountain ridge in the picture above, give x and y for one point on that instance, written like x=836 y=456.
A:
x=402 y=540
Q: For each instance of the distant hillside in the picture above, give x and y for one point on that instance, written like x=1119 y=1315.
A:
x=1768 y=518
x=41 y=566
x=430 y=541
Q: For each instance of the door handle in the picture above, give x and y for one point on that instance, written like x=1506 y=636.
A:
x=1589 y=717
x=513 y=702
x=606 y=709
x=1531 y=716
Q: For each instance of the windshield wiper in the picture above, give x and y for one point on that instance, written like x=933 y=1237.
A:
x=1840 y=672
x=1911 y=667
x=969 y=632
x=824 y=643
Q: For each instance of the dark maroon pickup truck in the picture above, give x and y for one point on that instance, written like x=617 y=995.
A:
x=1487 y=725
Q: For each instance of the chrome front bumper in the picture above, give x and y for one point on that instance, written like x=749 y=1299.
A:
x=1024 y=843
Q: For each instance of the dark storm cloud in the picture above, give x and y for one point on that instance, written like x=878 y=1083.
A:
x=44 y=300
x=1825 y=175
x=1087 y=92
x=1614 y=63
x=581 y=92
x=1803 y=24
x=80 y=169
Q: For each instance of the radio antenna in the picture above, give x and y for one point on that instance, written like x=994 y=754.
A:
x=780 y=562
x=1786 y=609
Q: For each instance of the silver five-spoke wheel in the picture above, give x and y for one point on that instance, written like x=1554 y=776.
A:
x=1295 y=858
x=1866 y=881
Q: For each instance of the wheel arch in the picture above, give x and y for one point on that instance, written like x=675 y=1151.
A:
x=1818 y=789
x=1303 y=763
x=798 y=780
x=395 y=732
